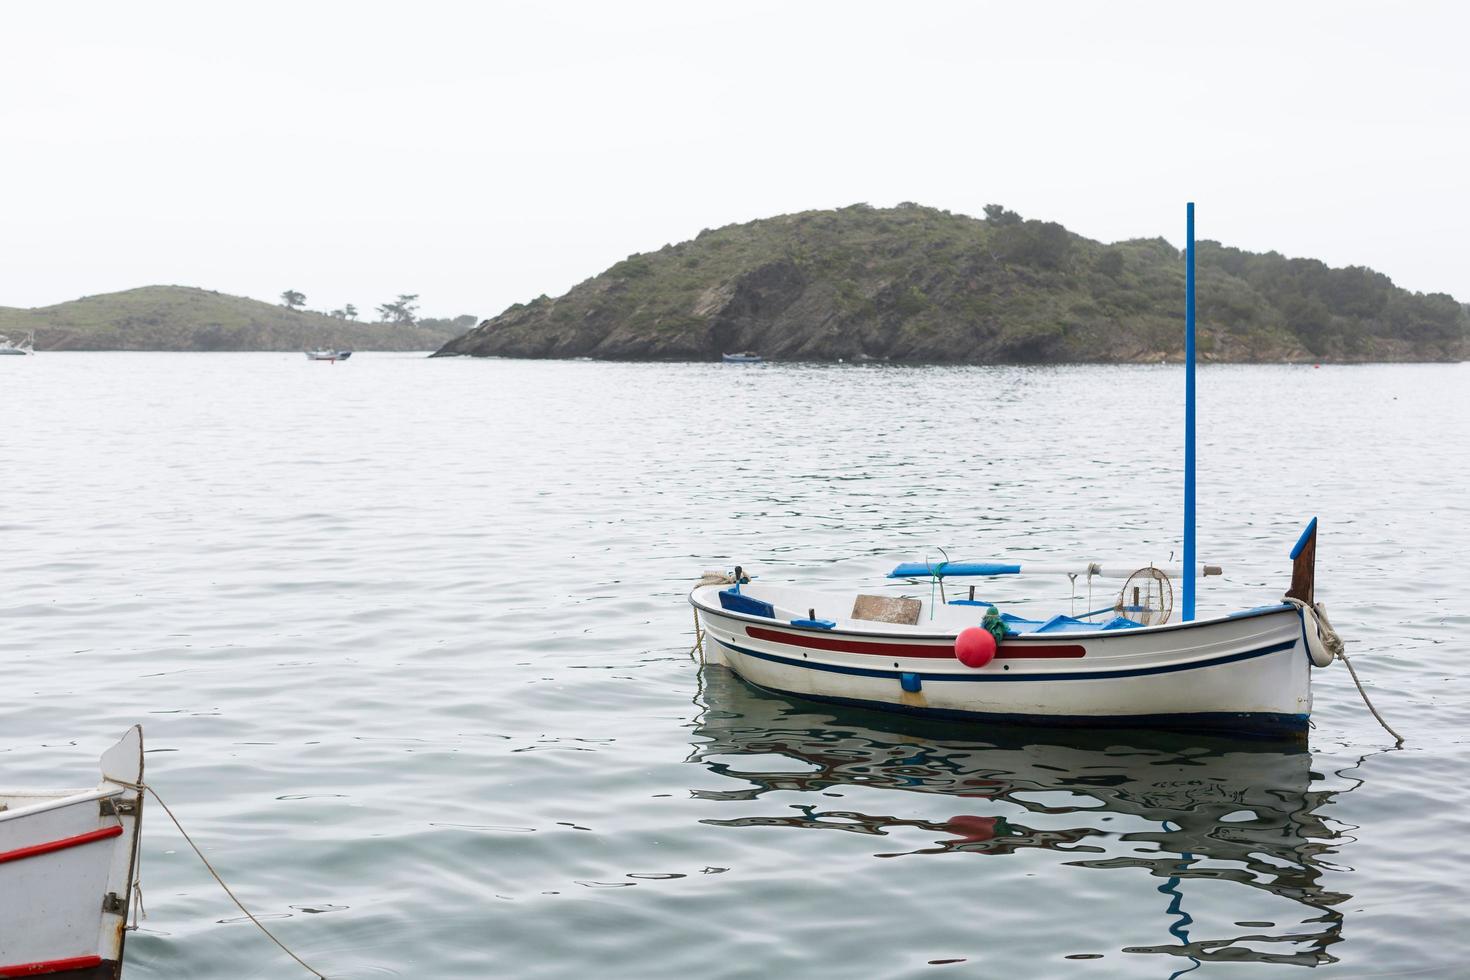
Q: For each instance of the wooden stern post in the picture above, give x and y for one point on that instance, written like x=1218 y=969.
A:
x=1304 y=565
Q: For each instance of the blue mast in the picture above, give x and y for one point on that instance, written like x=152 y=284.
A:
x=1189 y=570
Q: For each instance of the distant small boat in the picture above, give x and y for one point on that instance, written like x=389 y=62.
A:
x=68 y=869
x=328 y=355
x=744 y=357
x=26 y=346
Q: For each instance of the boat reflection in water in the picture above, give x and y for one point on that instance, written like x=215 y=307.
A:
x=1179 y=807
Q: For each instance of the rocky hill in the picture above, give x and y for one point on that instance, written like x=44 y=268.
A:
x=915 y=284
x=188 y=319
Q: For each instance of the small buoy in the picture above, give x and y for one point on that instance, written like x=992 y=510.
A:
x=974 y=647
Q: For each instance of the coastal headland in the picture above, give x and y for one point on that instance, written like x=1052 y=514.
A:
x=914 y=284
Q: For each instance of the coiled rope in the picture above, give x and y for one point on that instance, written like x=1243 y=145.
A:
x=1335 y=646
x=144 y=787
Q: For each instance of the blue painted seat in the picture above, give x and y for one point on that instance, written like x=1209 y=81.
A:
x=1063 y=624
x=738 y=602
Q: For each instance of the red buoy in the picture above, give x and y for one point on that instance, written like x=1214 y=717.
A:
x=974 y=647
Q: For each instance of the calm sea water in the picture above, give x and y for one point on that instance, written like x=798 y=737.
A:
x=409 y=643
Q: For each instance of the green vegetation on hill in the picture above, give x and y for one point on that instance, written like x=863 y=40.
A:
x=188 y=319
x=918 y=284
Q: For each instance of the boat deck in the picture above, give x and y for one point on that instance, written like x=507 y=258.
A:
x=802 y=607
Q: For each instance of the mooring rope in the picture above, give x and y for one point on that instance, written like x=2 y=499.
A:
x=698 y=639
x=144 y=787
x=1335 y=646
x=1398 y=739
x=709 y=578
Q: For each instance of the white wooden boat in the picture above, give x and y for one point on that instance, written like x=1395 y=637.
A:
x=328 y=355
x=25 y=346
x=1247 y=672
x=68 y=866
x=744 y=357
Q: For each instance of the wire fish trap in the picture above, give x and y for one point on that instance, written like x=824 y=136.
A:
x=1147 y=597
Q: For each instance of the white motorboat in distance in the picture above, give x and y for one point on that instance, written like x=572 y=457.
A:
x=68 y=867
x=328 y=355
x=27 y=345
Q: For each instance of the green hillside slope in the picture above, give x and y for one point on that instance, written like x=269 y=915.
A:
x=188 y=319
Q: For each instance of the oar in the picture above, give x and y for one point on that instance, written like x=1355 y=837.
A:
x=979 y=569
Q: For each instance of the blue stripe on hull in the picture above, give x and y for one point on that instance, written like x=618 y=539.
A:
x=1070 y=675
x=1253 y=723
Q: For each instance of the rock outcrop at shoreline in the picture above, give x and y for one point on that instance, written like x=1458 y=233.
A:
x=916 y=284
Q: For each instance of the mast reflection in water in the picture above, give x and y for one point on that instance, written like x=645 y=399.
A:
x=1191 y=808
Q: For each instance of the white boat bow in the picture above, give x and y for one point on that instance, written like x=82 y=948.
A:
x=68 y=867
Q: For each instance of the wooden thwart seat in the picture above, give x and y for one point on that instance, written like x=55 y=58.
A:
x=887 y=609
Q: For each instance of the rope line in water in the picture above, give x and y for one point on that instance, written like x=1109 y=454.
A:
x=1398 y=739
x=1337 y=648
x=144 y=787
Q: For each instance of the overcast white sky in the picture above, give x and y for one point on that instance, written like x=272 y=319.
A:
x=480 y=154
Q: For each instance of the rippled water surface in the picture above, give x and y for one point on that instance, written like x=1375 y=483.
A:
x=409 y=643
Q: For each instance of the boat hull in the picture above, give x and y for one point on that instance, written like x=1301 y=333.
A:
x=100 y=970
x=1247 y=673
x=67 y=870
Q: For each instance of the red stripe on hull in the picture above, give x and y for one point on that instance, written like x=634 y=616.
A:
x=36 y=850
x=44 y=967
x=1056 y=651
x=933 y=651
x=851 y=646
